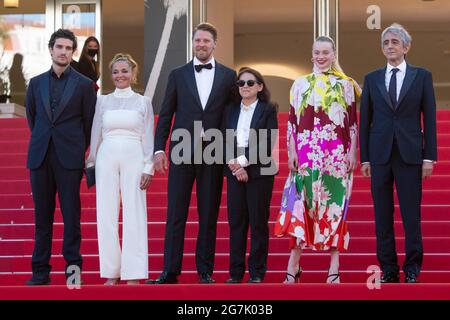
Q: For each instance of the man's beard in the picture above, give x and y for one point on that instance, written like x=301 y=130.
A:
x=60 y=64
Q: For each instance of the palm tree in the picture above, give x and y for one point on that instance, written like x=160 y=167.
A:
x=175 y=9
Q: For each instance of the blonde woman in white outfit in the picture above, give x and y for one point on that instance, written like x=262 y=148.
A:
x=122 y=149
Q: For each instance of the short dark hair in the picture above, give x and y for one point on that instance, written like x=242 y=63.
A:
x=63 y=33
x=263 y=95
x=205 y=26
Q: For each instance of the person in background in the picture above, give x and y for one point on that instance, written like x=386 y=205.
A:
x=87 y=65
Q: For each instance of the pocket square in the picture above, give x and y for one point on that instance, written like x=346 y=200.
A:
x=90 y=176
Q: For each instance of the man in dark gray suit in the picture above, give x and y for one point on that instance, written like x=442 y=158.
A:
x=60 y=107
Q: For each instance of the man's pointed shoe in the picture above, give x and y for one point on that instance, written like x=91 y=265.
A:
x=164 y=278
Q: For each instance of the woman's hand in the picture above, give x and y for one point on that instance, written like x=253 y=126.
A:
x=352 y=163
x=241 y=175
x=234 y=165
x=145 y=181
x=293 y=162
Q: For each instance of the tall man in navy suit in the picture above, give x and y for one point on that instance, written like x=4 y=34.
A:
x=395 y=148
x=195 y=92
x=60 y=107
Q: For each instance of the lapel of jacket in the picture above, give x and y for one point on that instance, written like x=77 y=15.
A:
x=259 y=110
x=218 y=78
x=189 y=76
x=410 y=75
x=45 y=94
x=68 y=92
x=381 y=84
x=234 y=117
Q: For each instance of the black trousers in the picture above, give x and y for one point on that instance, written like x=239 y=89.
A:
x=408 y=183
x=249 y=204
x=51 y=178
x=209 y=180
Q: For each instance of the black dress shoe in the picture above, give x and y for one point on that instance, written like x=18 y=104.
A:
x=411 y=278
x=38 y=281
x=255 y=280
x=164 y=278
x=390 y=277
x=205 y=278
x=234 y=280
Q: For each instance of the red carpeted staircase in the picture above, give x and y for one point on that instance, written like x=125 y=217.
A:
x=17 y=232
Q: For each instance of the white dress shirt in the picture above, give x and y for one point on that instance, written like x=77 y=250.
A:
x=243 y=129
x=204 y=80
x=400 y=76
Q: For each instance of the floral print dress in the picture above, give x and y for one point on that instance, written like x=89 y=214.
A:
x=322 y=122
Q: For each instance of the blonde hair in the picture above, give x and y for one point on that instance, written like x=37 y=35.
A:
x=335 y=63
x=126 y=57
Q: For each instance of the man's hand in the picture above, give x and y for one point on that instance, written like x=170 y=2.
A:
x=145 y=181
x=427 y=169
x=241 y=175
x=160 y=162
x=365 y=169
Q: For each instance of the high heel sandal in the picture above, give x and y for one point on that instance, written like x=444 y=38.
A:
x=111 y=282
x=296 y=277
x=335 y=278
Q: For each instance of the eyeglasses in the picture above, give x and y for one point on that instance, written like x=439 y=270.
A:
x=250 y=83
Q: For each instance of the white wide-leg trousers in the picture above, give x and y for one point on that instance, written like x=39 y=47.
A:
x=118 y=174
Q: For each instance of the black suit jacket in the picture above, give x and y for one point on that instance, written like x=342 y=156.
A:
x=380 y=122
x=264 y=117
x=69 y=128
x=182 y=99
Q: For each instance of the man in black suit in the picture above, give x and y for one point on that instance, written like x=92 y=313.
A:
x=196 y=92
x=60 y=107
x=395 y=148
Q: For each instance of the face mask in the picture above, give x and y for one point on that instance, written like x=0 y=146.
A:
x=92 y=52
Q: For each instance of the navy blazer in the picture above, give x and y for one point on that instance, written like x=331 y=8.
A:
x=380 y=121
x=182 y=99
x=264 y=117
x=69 y=128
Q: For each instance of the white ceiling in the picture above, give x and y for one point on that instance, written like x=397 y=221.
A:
x=294 y=11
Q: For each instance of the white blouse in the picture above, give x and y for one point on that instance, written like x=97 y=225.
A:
x=113 y=119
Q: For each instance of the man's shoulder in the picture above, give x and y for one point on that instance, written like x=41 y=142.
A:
x=40 y=77
x=375 y=72
x=225 y=68
x=82 y=78
x=420 y=70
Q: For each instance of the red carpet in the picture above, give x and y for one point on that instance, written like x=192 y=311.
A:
x=17 y=232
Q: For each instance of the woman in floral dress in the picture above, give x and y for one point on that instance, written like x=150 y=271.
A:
x=322 y=137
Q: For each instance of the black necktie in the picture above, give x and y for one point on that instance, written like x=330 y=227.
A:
x=393 y=87
x=199 y=67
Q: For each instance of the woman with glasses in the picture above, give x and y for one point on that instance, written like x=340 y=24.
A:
x=322 y=133
x=251 y=131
